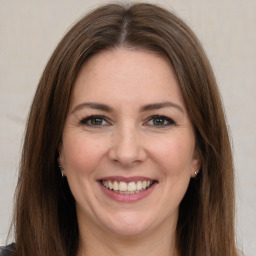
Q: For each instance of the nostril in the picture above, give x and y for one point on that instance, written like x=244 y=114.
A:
x=127 y=156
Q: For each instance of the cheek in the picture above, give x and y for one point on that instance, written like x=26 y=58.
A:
x=81 y=154
x=174 y=154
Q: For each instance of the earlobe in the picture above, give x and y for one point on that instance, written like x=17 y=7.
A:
x=62 y=171
x=60 y=153
x=196 y=164
x=60 y=160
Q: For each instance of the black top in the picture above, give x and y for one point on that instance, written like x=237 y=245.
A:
x=7 y=250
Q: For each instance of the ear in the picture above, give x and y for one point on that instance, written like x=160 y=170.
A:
x=60 y=157
x=196 y=163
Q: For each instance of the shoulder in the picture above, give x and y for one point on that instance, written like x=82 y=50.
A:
x=7 y=250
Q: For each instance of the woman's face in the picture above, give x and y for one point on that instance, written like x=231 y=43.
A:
x=128 y=146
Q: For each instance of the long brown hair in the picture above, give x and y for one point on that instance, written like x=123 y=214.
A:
x=45 y=216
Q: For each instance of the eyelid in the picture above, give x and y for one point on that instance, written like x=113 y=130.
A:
x=171 y=122
x=84 y=120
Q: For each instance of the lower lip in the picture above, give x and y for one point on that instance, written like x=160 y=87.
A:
x=128 y=198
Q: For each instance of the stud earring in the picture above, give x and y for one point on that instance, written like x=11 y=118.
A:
x=61 y=170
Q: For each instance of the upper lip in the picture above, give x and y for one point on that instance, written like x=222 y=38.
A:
x=126 y=179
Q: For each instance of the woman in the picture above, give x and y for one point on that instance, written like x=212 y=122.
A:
x=126 y=149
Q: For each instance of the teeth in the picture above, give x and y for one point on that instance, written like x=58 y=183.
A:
x=110 y=185
x=144 y=184
x=132 y=187
x=115 y=186
x=139 y=185
x=127 y=188
x=123 y=186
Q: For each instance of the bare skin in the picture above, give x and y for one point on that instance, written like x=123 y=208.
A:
x=128 y=124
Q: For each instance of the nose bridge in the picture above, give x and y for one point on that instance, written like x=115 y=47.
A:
x=127 y=146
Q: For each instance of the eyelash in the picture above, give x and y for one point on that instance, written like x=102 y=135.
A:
x=85 y=121
x=162 y=118
x=88 y=121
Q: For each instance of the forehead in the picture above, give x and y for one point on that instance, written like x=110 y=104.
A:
x=127 y=75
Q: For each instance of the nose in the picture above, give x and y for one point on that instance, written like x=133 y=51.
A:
x=127 y=147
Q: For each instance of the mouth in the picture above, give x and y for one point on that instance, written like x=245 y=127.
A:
x=127 y=188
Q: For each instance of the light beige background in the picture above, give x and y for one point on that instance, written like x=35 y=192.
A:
x=30 y=31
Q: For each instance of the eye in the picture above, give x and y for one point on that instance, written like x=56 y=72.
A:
x=95 y=120
x=160 y=121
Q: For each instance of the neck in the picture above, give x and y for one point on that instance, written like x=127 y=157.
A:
x=157 y=242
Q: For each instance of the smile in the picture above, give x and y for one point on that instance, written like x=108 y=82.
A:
x=127 y=188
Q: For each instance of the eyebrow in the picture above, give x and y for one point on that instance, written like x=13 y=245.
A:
x=156 y=106
x=93 y=105
x=148 y=107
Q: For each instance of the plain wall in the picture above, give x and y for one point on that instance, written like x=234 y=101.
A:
x=30 y=30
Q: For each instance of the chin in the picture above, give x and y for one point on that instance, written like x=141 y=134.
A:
x=129 y=225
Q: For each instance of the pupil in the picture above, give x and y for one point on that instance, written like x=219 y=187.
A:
x=159 y=121
x=96 y=121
